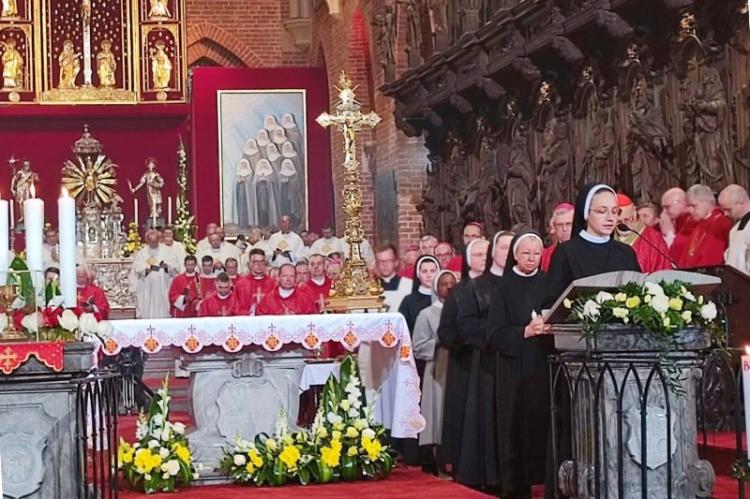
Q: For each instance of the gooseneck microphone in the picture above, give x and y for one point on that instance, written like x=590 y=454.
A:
x=625 y=228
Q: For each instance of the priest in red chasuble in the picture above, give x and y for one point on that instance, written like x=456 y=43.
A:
x=710 y=237
x=207 y=276
x=647 y=242
x=184 y=292
x=561 y=225
x=286 y=299
x=254 y=286
x=91 y=298
x=675 y=223
x=222 y=302
x=319 y=284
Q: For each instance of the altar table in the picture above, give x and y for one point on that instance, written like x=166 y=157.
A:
x=279 y=345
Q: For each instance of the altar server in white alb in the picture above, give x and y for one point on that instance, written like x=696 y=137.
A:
x=150 y=277
x=735 y=203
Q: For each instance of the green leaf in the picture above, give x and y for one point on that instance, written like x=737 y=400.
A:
x=304 y=476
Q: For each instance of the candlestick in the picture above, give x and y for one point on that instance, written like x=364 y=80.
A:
x=33 y=218
x=66 y=221
x=745 y=362
x=169 y=210
x=135 y=211
x=4 y=243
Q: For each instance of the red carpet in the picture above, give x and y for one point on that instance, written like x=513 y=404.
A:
x=403 y=483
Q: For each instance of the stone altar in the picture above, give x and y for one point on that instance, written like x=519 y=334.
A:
x=243 y=395
x=630 y=428
x=38 y=431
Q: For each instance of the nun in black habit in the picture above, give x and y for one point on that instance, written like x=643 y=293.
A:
x=516 y=333
x=425 y=270
x=591 y=250
x=460 y=343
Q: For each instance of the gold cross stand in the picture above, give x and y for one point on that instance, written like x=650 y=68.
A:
x=356 y=289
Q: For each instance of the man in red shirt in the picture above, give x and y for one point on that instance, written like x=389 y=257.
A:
x=183 y=292
x=222 y=302
x=562 y=225
x=710 y=236
x=253 y=287
x=91 y=298
x=286 y=299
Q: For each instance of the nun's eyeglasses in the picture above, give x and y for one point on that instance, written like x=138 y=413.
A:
x=603 y=211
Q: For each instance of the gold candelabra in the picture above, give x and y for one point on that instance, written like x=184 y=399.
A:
x=356 y=289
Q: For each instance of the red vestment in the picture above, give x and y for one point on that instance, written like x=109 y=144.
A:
x=318 y=293
x=208 y=284
x=215 y=306
x=683 y=226
x=250 y=290
x=455 y=264
x=92 y=294
x=297 y=303
x=407 y=271
x=180 y=283
x=547 y=256
x=706 y=244
x=649 y=258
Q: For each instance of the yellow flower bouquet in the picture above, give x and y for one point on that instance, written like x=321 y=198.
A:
x=160 y=461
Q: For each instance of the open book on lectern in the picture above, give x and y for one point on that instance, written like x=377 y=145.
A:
x=702 y=284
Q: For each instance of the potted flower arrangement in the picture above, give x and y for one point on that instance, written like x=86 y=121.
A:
x=344 y=442
x=160 y=461
x=132 y=241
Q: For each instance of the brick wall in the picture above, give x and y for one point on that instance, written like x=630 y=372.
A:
x=252 y=33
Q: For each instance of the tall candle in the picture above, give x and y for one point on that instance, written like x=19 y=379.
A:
x=4 y=242
x=66 y=220
x=12 y=214
x=135 y=211
x=33 y=218
x=169 y=210
x=745 y=362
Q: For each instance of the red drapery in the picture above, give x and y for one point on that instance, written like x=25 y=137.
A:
x=205 y=133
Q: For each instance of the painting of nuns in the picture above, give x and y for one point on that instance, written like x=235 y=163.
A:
x=263 y=158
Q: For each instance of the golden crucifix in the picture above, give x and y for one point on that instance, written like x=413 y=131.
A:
x=356 y=288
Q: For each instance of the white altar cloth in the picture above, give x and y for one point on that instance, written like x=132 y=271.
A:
x=318 y=373
x=390 y=355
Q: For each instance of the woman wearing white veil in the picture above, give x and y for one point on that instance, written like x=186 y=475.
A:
x=244 y=205
x=278 y=136
x=252 y=153
x=294 y=135
x=265 y=199
x=274 y=156
x=262 y=139
x=290 y=194
x=270 y=123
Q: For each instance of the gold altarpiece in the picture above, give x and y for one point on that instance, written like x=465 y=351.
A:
x=92 y=51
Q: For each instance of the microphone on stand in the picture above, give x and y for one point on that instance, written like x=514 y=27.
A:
x=624 y=228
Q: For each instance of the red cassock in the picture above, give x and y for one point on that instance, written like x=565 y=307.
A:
x=96 y=296
x=250 y=290
x=707 y=242
x=318 y=292
x=547 y=256
x=180 y=283
x=649 y=258
x=215 y=306
x=297 y=303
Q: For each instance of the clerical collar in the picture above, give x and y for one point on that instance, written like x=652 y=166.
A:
x=285 y=293
x=190 y=274
x=438 y=304
x=743 y=221
x=388 y=279
x=425 y=290
x=319 y=281
x=223 y=297
x=587 y=236
x=518 y=272
x=259 y=277
x=495 y=270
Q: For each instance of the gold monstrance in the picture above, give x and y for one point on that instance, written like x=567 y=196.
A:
x=356 y=289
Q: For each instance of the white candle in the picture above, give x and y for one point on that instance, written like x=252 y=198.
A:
x=12 y=214
x=745 y=362
x=33 y=218
x=4 y=242
x=66 y=221
x=135 y=211
x=169 y=210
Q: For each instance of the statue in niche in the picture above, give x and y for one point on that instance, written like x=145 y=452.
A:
x=9 y=8
x=711 y=145
x=161 y=66
x=554 y=168
x=648 y=140
x=12 y=65
x=413 y=32
x=154 y=184
x=520 y=178
x=598 y=162
x=159 y=10
x=70 y=66
x=106 y=65
x=386 y=39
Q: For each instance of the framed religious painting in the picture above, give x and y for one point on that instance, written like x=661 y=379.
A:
x=262 y=158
